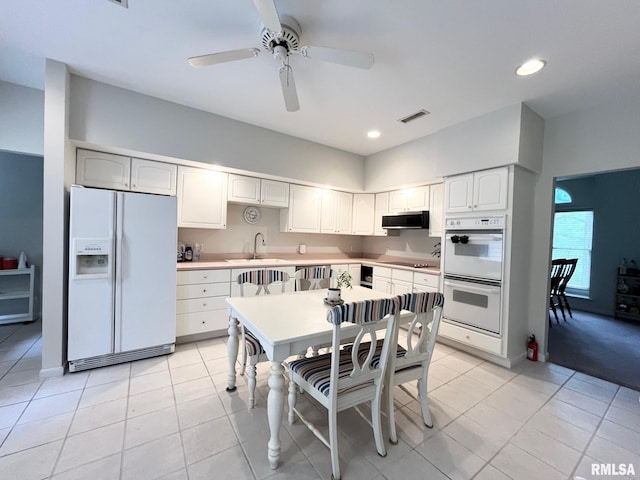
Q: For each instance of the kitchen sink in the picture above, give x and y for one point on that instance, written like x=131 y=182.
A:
x=256 y=261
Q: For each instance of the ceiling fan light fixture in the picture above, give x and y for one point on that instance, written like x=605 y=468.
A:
x=373 y=133
x=530 y=67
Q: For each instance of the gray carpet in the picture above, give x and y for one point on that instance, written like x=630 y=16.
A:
x=600 y=346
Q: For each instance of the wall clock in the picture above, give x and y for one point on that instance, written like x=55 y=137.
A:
x=252 y=215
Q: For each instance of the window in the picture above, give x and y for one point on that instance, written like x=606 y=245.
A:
x=562 y=196
x=572 y=238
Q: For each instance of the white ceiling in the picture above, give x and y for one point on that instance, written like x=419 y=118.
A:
x=454 y=58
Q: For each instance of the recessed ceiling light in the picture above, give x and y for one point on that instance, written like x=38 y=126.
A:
x=531 y=66
x=373 y=134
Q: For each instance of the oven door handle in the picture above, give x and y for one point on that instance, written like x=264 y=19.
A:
x=469 y=286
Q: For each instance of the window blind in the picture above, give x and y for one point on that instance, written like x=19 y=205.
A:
x=572 y=238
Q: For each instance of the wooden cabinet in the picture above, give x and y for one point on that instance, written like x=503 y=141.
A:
x=409 y=199
x=202 y=198
x=106 y=170
x=436 y=209
x=381 y=209
x=16 y=295
x=201 y=305
x=304 y=211
x=336 y=212
x=257 y=191
x=363 y=214
x=478 y=191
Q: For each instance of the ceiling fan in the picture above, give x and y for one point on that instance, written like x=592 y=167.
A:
x=280 y=37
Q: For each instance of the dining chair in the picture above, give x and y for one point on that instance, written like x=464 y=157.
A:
x=344 y=379
x=557 y=267
x=252 y=350
x=312 y=278
x=569 y=269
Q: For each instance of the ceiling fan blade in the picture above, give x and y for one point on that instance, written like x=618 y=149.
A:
x=268 y=14
x=289 y=89
x=222 y=57
x=343 y=57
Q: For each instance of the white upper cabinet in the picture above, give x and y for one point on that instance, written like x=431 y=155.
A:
x=202 y=198
x=409 y=199
x=257 y=191
x=478 y=191
x=153 y=177
x=303 y=213
x=103 y=170
x=106 y=170
x=337 y=211
x=274 y=194
x=436 y=209
x=381 y=209
x=363 y=213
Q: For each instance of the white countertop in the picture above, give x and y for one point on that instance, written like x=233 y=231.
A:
x=307 y=261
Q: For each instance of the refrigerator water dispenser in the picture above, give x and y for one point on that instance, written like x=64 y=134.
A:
x=91 y=258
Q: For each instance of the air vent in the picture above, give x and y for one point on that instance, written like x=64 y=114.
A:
x=414 y=116
x=122 y=3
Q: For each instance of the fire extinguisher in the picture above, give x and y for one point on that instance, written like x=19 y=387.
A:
x=532 y=349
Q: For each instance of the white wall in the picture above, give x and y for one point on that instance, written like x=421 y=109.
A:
x=492 y=140
x=21 y=119
x=597 y=139
x=21 y=211
x=113 y=117
x=414 y=244
x=238 y=237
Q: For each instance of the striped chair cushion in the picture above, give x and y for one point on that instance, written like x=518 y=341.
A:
x=421 y=302
x=262 y=277
x=375 y=361
x=317 y=371
x=361 y=312
x=252 y=345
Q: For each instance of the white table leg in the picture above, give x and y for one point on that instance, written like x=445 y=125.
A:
x=232 y=352
x=275 y=407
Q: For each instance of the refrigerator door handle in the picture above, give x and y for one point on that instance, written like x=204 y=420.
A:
x=117 y=324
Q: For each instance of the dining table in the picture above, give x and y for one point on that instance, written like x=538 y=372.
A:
x=286 y=325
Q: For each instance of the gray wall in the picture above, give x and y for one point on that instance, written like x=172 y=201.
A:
x=614 y=198
x=21 y=119
x=21 y=211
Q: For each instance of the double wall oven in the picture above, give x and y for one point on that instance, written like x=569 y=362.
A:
x=473 y=266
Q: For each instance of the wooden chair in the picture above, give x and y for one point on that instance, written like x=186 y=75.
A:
x=557 y=268
x=345 y=378
x=312 y=278
x=262 y=279
x=563 y=301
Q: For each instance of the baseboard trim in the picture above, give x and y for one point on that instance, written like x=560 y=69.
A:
x=51 y=372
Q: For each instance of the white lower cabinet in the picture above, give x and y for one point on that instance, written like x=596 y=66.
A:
x=201 y=306
x=401 y=281
x=425 y=282
x=382 y=279
x=353 y=269
x=471 y=338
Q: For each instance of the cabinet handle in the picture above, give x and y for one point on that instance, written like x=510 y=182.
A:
x=469 y=206
x=204 y=290
x=204 y=321
x=475 y=206
x=205 y=277
x=204 y=304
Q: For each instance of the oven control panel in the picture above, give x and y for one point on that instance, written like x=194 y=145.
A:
x=496 y=222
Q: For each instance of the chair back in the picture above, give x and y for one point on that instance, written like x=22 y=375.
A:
x=423 y=323
x=557 y=269
x=371 y=317
x=570 y=265
x=262 y=278
x=312 y=278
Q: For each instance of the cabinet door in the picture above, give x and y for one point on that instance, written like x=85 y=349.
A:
x=417 y=198
x=329 y=211
x=458 y=193
x=274 y=194
x=153 y=177
x=490 y=189
x=202 y=198
x=381 y=208
x=345 y=212
x=397 y=201
x=103 y=170
x=382 y=285
x=303 y=214
x=355 y=270
x=436 y=209
x=363 y=213
x=400 y=288
x=244 y=189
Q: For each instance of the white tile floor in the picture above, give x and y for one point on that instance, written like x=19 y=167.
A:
x=170 y=417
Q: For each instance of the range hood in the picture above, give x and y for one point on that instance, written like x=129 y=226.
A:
x=406 y=221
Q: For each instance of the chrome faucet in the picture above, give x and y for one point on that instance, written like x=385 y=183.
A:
x=255 y=244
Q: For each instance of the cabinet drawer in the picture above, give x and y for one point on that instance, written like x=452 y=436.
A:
x=189 y=277
x=382 y=272
x=200 y=304
x=200 y=322
x=202 y=290
x=402 y=275
x=427 y=280
x=471 y=338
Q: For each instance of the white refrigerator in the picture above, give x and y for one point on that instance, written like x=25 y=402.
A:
x=122 y=277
